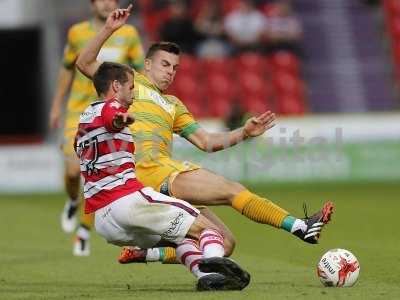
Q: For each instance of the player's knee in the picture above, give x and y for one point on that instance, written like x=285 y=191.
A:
x=72 y=178
x=233 y=188
x=72 y=171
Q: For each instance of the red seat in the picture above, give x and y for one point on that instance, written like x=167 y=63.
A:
x=185 y=85
x=220 y=107
x=219 y=85
x=269 y=9
x=254 y=105
x=197 y=105
x=394 y=29
x=252 y=83
x=287 y=84
x=285 y=61
x=392 y=6
x=153 y=20
x=216 y=65
x=229 y=5
x=251 y=62
x=396 y=51
x=188 y=64
x=290 y=105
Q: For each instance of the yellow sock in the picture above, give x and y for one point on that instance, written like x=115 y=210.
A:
x=86 y=219
x=169 y=256
x=259 y=209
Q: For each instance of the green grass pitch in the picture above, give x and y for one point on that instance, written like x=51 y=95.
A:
x=36 y=260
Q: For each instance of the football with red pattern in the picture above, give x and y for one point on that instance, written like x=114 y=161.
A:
x=338 y=268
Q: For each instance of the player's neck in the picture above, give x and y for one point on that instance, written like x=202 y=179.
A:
x=150 y=79
x=116 y=98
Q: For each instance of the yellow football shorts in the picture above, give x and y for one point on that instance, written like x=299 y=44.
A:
x=160 y=174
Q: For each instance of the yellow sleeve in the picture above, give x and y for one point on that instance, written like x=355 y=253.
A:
x=70 y=51
x=184 y=122
x=135 y=52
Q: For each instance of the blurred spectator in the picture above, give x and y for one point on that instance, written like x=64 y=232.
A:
x=245 y=26
x=179 y=28
x=210 y=27
x=283 y=29
x=236 y=118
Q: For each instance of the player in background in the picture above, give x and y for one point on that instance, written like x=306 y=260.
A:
x=126 y=212
x=124 y=46
x=159 y=115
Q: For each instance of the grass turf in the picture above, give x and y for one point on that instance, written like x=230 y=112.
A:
x=36 y=260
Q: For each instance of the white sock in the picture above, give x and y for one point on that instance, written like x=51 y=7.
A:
x=211 y=243
x=83 y=233
x=299 y=224
x=189 y=254
x=153 y=254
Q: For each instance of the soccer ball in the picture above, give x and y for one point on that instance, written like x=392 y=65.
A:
x=338 y=267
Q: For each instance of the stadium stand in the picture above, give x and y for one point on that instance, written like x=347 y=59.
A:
x=252 y=80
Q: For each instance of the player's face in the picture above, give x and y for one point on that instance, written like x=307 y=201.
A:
x=102 y=8
x=162 y=68
x=125 y=91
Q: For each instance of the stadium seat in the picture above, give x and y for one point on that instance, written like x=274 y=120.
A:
x=394 y=27
x=392 y=7
x=254 y=105
x=269 y=9
x=219 y=107
x=153 y=20
x=216 y=65
x=229 y=5
x=220 y=85
x=287 y=84
x=197 y=105
x=185 y=84
x=285 y=61
x=188 y=64
x=252 y=83
x=251 y=62
x=290 y=105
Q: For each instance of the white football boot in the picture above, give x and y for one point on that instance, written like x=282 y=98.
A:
x=69 y=218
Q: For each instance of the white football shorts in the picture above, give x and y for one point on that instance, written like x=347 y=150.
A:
x=144 y=218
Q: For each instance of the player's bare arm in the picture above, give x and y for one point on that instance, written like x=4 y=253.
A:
x=64 y=81
x=87 y=62
x=212 y=142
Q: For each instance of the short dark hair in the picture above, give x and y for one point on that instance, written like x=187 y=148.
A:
x=163 y=46
x=107 y=73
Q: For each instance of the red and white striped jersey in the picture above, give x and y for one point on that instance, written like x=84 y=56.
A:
x=106 y=156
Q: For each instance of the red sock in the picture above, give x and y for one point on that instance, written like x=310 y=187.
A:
x=189 y=254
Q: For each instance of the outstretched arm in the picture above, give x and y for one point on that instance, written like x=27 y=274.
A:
x=212 y=142
x=63 y=83
x=87 y=62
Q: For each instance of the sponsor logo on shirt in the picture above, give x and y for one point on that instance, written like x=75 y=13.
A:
x=158 y=99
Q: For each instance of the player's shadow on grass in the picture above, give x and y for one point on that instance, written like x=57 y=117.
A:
x=284 y=284
x=177 y=288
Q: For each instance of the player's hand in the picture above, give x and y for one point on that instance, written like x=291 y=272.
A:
x=123 y=119
x=256 y=126
x=118 y=18
x=55 y=118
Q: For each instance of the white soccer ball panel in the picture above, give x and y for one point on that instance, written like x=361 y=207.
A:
x=338 y=268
